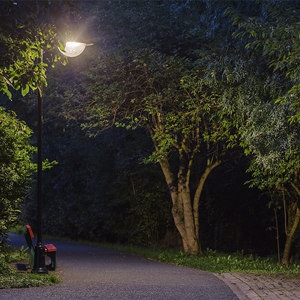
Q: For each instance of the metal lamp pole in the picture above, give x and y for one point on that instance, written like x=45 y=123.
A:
x=39 y=258
x=72 y=49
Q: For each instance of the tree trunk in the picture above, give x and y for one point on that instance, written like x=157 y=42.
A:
x=198 y=193
x=181 y=202
x=182 y=209
x=293 y=221
x=192 y=242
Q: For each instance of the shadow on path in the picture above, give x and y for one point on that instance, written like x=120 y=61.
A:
x=89 y=272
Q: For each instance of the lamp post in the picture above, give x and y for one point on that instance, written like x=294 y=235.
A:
x=72 y=49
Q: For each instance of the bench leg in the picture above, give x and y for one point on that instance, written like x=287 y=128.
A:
x=52 y=265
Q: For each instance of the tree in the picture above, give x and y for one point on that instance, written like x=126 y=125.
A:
x=273 y=143
x=15 y=167
x=167 y=96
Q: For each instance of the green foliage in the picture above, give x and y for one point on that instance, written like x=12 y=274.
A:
x=274 y=143
x=175 y=95
x=5 y=269
x=273 y=33
x=27 y=280
x=268 y=133
x=10 y=255
x=18 y=229
x=27 y=29
x=16 y=167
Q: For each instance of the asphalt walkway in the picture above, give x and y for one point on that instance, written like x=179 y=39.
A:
x=89 y=272
x=96 y=273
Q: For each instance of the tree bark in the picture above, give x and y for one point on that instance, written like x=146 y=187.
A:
x=198 y=193
x=181 y=210
x=293 y=222
x=185 y=209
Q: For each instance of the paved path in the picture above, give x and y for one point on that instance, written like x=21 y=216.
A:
x=262 y=287
x=96 y=273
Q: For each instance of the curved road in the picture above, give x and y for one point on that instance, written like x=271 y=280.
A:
x=97 y=273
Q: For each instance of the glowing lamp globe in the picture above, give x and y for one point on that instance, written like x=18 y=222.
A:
x=73 y=49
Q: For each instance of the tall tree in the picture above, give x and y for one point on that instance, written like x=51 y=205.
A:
x=166 y=96
x=273 y=142
x=271 y=37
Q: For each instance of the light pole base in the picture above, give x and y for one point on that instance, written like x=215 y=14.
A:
x=39 y=260
x=39 y=271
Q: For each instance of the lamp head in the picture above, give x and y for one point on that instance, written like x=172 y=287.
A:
x=73 y=49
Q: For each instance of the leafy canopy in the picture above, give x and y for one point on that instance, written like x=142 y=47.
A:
x=27 y=28
x=273 y=33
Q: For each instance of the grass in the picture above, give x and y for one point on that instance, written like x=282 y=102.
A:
x=28 y=280
x=215 y=262
x=10 y=277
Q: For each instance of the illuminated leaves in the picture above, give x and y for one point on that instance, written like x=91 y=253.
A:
x=27 y=27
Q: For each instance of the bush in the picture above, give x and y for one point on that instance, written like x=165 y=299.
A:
x=16 y=167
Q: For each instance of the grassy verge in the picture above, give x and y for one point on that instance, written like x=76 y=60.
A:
x=213 y=261
x=10 y=277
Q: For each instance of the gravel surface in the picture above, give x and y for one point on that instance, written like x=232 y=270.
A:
x=89 y=272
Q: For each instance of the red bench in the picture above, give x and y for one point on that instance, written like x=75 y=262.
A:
x=50 y=249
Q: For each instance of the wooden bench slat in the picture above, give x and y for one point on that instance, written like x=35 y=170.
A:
x=30 y=231
x=50 y=248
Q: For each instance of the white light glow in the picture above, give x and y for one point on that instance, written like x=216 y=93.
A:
x=73 y=44
x=73 y=49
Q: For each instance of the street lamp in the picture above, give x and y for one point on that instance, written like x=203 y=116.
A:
x=72 y=49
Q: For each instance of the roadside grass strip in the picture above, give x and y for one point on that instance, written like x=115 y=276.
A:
x=216 y=262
